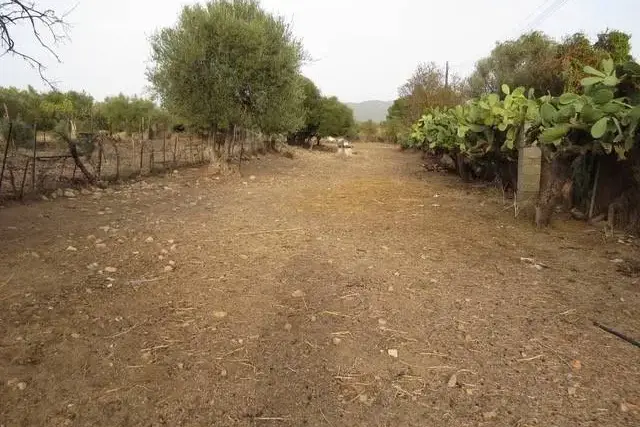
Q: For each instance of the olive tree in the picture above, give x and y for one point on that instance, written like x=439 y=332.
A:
x=229 y=63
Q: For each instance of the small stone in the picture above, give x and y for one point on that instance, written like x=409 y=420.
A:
x=287 y=326
x=164 y=251
x=219 y=314
x=101 y=245
x=469 y=391
x=617 y=261
x=173 y=247
x=433 y=280
x=91 y=237
x=223 y=372
x=181 y=365
x=172 y=263
x=453 y=381
x=110 y=269
x=21 y=385
x=390 y=288
x=489 y=415
x=392 y=352
x=44 y=198
x=69 y=193
x=53 y=196
x=313 y=318
x=576 y=364
x=396 y=274
x=624 y=407
x=149 y=239
x=35 y=255
x=297 y=293
x=160 y=257
x=336 y=340
x=572 y=391
x=85 y=191
x=170 y=241
x=252 y=177
x=167 y=268
x=72 y=249
x=75 y=335
x=382 y=322
x=244 y=257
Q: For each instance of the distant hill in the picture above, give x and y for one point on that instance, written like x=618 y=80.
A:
x=370 y=110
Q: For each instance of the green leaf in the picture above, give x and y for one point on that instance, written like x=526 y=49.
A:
x=611 y=81
x=505 y=89
x=634 y=113
x=590 y=114
x=502 y=127
x=590 y=70
x=568 y=98
x=612 y=108
x=555 y=133
x=590 y=81
x=493 y=99
x=602 y=96
x=600 y=128
x=476 y=128
x=547 y=113
x=607 y=66
x=565 y=113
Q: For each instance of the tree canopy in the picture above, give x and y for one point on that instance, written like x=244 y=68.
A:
x=228 y=63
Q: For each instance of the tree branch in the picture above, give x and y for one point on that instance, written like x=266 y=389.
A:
x=14 y=13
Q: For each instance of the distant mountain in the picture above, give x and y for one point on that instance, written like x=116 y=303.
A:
x=370 y=110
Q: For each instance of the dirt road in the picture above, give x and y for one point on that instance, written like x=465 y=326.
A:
x=316 y=291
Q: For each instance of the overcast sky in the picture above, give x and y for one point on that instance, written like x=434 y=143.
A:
x=362 y=49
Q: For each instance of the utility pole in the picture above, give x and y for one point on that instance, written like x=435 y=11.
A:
x=446 y=75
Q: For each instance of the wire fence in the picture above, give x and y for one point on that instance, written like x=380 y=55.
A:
x=46 y=164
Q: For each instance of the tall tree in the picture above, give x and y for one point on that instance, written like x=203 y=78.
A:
x=228 y=63
x=528 y=61
x=336 y=119
x=311 y=106
x=427 y=88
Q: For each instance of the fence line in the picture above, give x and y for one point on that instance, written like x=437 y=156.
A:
x=48 y=166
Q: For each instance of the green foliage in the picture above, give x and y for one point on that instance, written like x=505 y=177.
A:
x=123 y=113
x=536 y=61
x=336 y=119
x=398 y=122
x=601 y=120
x=21 y=132
x=617 y=44
x=228 y=63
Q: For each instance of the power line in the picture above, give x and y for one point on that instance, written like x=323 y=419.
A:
x=546 y=14
x=523 y=23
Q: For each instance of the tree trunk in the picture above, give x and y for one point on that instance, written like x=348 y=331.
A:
x=555 y=180
x=463 y=168
x=73 y=150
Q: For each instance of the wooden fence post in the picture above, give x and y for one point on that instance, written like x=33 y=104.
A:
x=6 y=151
x=141 y=154
x=33 y=166
x=164 y=149
x=24 y=179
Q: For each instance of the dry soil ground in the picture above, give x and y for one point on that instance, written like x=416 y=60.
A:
x=324 y=291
